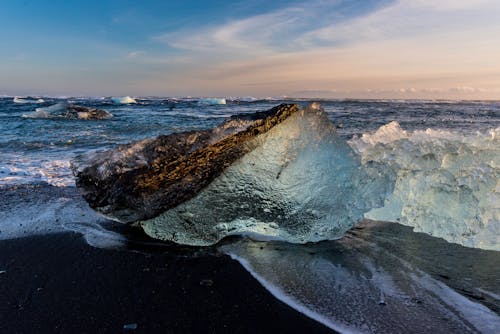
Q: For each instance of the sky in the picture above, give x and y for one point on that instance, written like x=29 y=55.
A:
x=447 y=49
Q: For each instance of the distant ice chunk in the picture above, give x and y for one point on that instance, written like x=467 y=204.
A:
x=212 y=100
x=69 y=111
x=18 y=99
x=123 y=100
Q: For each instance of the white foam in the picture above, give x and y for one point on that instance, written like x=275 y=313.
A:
x=25 y=170
x=43 y=216
x=44 y=210
x=96 y=235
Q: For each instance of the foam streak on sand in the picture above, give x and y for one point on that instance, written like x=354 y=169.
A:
x=379 y=278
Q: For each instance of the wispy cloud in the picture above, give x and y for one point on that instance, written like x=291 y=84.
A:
x=276 y=31
x=135 y=54
x=421 y=45
x=257 y=33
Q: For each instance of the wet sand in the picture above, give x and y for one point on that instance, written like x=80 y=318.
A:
x=59 y=284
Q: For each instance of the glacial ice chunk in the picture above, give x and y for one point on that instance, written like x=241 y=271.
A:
x=301 y=183
x=212 y=100
x=446 y=184
x=18 y=99
x=69 y=111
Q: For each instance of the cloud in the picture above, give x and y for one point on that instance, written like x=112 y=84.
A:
x=256 y=32
x=403 y=48
x=276 y=31
x=135 y=54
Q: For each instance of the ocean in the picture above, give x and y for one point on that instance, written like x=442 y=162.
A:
x=440 y=188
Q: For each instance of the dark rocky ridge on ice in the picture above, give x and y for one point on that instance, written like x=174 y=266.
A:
x=141 y=180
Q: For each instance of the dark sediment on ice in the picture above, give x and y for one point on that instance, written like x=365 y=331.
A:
x=59 y=284
x=70 y=111
x=74 y=111
x=144 y=179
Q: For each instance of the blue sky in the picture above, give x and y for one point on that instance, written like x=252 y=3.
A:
x=334 y=48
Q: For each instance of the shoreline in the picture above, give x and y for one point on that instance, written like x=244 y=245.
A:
x=57 y=283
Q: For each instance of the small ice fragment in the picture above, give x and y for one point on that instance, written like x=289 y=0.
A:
x=2 y=272
x=206 y=282
x=130 y=326
x=382 y=299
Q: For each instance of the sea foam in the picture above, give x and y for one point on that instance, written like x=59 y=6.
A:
x=24 y=170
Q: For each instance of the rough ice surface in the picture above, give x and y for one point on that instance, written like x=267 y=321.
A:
x=446 y=184
x=301 y=184
x=123 y=100
x=380 y=278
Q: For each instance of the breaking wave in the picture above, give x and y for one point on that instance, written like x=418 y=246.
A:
x=25 y=170
x=380 y=278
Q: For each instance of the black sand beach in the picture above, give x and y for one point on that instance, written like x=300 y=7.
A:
x=59 y=284
x=381 y=275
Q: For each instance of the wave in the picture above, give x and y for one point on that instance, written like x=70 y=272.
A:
x=380 y=278
x=34 y=209
x=446 y=184
x=123 y=100
x=15 y=170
